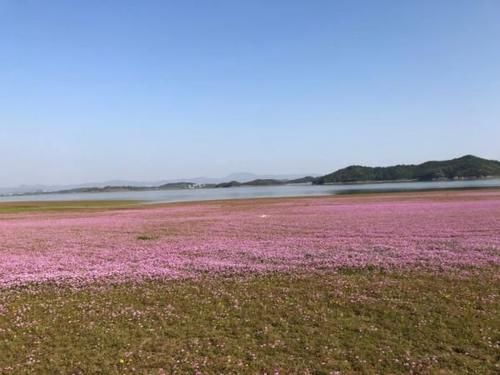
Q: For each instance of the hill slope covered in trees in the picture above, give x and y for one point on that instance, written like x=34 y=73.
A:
x=465 y=167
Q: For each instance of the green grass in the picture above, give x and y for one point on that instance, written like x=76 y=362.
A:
x=147 y=237
x=353 y=322
x=56 y=206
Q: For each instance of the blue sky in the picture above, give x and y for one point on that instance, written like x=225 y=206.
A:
x=148 y=90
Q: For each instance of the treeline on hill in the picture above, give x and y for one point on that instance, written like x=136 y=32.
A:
x=468 y=166
x=266 y=182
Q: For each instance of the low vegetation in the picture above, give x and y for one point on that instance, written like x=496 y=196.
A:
x=322 y=323
x=57 y=206
x=379 y=283
x=440 y=230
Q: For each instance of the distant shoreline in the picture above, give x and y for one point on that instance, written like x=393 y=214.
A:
x=126 y=189
x=465 y=168
x=254 y=192
x=9 y=207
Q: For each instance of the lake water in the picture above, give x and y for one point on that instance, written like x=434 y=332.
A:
x=257 y=191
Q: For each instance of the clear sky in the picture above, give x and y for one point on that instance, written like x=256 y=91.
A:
x=145 y=90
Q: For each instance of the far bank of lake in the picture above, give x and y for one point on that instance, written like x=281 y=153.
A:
x=296 y=190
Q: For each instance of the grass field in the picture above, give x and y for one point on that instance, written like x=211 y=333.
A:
x=350 y=322
x=391 y=283
x=61 y=206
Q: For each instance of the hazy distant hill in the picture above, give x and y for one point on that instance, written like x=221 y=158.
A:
x=256 y=182
x=132 y=185
x=302 y=180
x=109 y=189
x=466 y=167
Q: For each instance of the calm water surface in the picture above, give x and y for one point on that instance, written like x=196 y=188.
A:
x=256 y=191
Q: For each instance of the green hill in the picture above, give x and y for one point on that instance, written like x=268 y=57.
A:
x=303 y=180
x=257 y=182
x=466 y=167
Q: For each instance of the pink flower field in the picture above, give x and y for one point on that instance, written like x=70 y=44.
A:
x=431 y=230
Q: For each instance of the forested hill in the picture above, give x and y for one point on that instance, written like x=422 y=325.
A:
x=466 y=167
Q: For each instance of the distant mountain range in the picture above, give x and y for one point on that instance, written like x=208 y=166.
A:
x=465 y=167
x=185 y=185
x=131 y=185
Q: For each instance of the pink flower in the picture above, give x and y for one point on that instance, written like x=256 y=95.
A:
x=187 y=240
